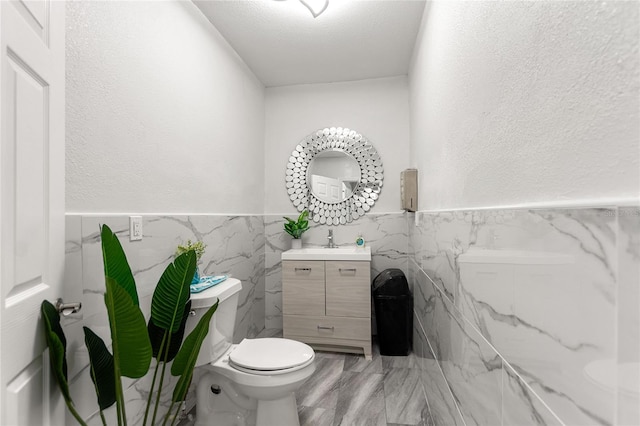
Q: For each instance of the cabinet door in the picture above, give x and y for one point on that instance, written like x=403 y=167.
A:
x=303 y=287
x=348 y=289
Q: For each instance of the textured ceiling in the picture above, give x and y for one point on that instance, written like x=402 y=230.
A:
x=352 y=40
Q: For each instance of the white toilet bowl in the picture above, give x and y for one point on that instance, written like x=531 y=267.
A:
x=267 y=395
x=251 y=383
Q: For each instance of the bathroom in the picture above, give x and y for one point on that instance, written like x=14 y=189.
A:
x=522 y=119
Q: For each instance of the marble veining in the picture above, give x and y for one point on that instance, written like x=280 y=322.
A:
x=520 y=406
x=470 y=366
x=404 y=397
x=441 y=405
x=497 y=339
x=361 y=401
x=321 y=390
x=346 y=390
x=310 y=416
x=628 y=409
x=357 y=363
x=547 y=304
x=235 y=246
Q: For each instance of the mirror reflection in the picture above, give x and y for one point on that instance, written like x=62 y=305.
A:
x=336 y=174
x=333 y=175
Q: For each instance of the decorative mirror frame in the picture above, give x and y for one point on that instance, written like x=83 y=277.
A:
x=364 y=195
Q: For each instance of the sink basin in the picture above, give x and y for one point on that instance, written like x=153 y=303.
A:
x=323 y=253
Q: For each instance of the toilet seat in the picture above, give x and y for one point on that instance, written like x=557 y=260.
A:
x=270 y=372
x=269 y=356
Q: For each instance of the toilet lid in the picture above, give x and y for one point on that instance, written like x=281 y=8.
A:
x=270 y=354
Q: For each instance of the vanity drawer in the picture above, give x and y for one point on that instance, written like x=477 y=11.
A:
x=303 y=287
x=330 y=327
x=348 y=289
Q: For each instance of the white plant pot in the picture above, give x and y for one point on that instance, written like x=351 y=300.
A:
x=296 y=243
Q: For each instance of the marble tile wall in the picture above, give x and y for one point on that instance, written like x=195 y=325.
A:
x=628 y=409
x=386 y=234
x=513 y=308
x=235 y=246
x=518 y=311
x=245 y=247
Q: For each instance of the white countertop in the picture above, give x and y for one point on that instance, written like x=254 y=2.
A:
x=324 y=253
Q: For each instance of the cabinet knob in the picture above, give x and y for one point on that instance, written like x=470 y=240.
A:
x=347 y=270
x=303 y=269
x=322 y=327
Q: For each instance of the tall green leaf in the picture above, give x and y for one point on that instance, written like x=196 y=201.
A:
x=131 y=345
x=115 y=263
x=185 y=361
x=157 y=334
x=102 y=369
x=172 y=292
x=57 y=343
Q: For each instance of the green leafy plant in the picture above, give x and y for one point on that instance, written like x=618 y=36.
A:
x=133 y=341
x=297 y=228
x=198 y=247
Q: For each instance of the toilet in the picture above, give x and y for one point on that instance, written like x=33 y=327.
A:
x=249 y=383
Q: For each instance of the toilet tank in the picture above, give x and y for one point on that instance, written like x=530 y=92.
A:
x=220 y=335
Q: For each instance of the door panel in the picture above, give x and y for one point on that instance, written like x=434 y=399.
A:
x=25 y=396
x=35 y=14
x=303 y=287
x=29 y=119
x=326 y=188
x=348 y=289
x=31 y=203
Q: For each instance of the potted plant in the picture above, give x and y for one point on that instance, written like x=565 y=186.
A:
x=133 y=341
x=297 y=228
x=198 y=247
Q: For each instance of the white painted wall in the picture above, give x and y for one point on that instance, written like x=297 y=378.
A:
x=378 y=109
x=518 y=103
x=162 y=115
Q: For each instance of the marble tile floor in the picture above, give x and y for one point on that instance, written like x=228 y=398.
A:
x=347 y=390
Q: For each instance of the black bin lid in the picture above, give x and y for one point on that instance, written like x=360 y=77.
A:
x=390 y=282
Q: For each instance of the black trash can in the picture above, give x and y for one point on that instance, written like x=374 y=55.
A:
x=393 y=304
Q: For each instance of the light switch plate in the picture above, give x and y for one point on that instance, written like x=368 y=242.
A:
x=135 y=228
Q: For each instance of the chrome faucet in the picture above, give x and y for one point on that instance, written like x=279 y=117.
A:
x=330 y=238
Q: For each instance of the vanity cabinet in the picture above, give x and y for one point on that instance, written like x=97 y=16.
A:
x=327 y=304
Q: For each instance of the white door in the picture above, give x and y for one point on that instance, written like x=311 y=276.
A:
x=31 y=204
x=326 y=189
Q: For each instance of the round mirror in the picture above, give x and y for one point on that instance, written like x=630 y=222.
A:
x=333 y=175
x=336 y=174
